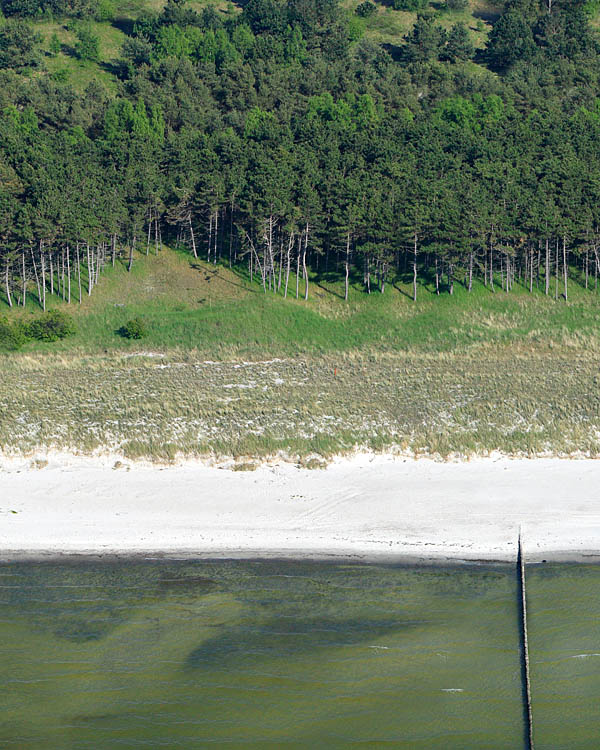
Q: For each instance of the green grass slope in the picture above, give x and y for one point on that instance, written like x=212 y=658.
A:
x=193 y=305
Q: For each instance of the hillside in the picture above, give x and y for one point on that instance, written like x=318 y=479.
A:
x=387 y=26
x=227 y=372
x=215 y=311
x=458 y=141
x=335 y=230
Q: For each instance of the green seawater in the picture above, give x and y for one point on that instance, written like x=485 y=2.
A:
x=160 y=654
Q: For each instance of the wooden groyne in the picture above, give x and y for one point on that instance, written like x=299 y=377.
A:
x=525 y=677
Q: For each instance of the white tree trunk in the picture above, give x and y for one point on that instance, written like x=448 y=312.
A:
x=8 y=297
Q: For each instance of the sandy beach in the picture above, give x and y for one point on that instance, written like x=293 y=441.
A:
x=365 y=507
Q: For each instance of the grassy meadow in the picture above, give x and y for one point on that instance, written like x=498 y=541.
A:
x=229 y=372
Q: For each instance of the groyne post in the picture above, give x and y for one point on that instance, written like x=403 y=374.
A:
x=525 y=675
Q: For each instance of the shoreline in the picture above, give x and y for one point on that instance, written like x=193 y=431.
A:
x=366 y=508
x=562 y=557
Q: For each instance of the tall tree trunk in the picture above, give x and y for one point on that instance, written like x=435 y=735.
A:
x=43 y=265
x=266 y=255
x=79 y=271
x=90 y=263
x=63 y=282
x=131 y=249
x=287 y=271
x=565 y=267
x=415 y=268
x=263 y=272
x=298 y=264
x=209 y=235
x=556 y=273
x=270 y=261
x=113 y=249
x=531 y=271
x=547 y=266
x=280 y=265
x=149 y=232
x=230 y=232
x=216 y=236
x=24 y=279
x=437 y=276
x=7 y=284
x=470 y=271
x=51 y=272
x=347 y=264
x=68 y=276
x=193 y=238
x=99 y=261
x=304 y=269
x=261 y=268
x=37 y=280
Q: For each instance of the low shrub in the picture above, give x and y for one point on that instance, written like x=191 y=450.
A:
x=51 y=326
x=133 y=329
x=12 y=336
x=366 y=9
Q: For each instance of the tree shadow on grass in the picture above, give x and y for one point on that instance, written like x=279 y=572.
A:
x=489 y=16
x=395 y=51
x=116 y=68
x=214 y=273
x=394 y=284
x=326 y=289
x=425 y=282
x=124 y=24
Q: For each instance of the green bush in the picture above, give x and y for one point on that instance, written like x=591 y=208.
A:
x=87 y=46
x=12 y=336
x=134 y=329
x=409 y=4
x=457 y=4
x=366 y=9
x=105 y=11
x=60 y=75
x=50 y=326
x=54 y=46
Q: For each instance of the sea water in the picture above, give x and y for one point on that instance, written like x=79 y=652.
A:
x=284 y=654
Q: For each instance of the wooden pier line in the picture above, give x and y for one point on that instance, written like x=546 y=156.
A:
x=525 y=675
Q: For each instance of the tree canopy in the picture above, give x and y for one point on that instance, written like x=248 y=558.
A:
x=280 y=139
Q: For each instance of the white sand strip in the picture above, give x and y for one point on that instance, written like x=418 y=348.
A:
x=366 y=506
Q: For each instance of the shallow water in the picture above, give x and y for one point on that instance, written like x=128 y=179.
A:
x=294 y=655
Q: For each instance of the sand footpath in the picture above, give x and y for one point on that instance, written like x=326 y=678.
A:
x=366 y=507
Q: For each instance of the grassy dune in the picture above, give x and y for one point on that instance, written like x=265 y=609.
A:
x=228 y=371
x=161 y=406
